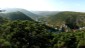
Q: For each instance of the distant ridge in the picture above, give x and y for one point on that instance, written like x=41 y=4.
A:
x=61 y=17
x=45 y=13
x=26 y=12
x=15 y=15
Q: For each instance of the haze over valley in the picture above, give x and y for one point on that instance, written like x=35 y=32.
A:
x=42 y=24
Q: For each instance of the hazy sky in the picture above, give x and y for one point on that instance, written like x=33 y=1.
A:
x=48 y=5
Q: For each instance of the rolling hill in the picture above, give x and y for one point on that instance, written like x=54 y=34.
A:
x=66 y=16
x=45 y=13
x=26 y=12
x=15 y=15
x=55 y=18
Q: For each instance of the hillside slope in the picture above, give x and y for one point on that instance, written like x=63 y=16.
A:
x=45 y=13
x=26 y=12
x=63 y=17
x=15 y=15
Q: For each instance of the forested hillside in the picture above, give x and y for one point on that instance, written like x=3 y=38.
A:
x=29 y=34
x=62 y=17
x=18 y=30
x=24 y=11
x=15 y=16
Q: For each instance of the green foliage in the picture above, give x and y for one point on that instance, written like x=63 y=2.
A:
x=60 y=18
x=69 y=40
x=30 y=34
x=26 y=34
x=15 y=16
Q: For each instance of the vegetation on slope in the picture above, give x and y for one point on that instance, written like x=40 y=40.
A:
x=24 y=11
x=29 y=34
x=15 y=16
x=62 y=17
x=69 y=40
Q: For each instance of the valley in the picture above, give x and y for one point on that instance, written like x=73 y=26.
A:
x=20 y=28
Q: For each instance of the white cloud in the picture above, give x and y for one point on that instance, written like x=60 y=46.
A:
x=27 y=4
x=51 y=5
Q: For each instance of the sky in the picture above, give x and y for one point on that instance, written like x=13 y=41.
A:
x=45 y=5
